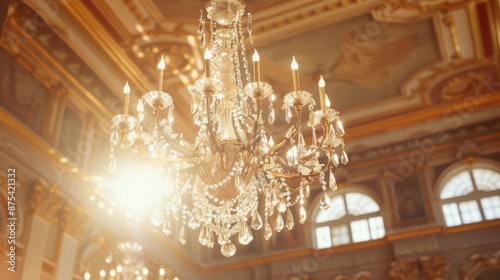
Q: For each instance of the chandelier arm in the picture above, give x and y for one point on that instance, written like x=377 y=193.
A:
x=254 y=138
x=280 y=145
x=175 y=145
x=298 y=175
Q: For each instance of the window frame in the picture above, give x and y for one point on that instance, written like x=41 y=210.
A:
x=346 y=219
x=475 y=195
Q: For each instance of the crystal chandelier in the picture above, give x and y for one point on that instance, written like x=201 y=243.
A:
x=234 y=177
x=128 y=264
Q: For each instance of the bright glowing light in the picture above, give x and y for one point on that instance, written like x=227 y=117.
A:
x=134 y=190
x=255 y=56
x=102 y=273
x=119 y=269
x=208 y=54
x=86 y=276
x=145 y=271
x=161 y=64
x=126 y=88
x=321 y=82
x=112 y=273
x=295 y=65
x=162 y=271
x=271 y=141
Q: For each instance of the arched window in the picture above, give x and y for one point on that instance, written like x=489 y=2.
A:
x=470 y=195
x=352 y=217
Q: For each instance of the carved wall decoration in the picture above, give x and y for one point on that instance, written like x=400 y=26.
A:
x=55 y=208
x=479 y=261
x=425 y=268
x=464 y=84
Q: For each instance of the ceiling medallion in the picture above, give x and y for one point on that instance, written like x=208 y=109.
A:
x=234 y=177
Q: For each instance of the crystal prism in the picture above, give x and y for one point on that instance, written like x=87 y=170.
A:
x=182 y=235
x=272 y=116
x=193 y=222
x=256 y=221
x=332 y=182
x=279 y=223
x=343 y=158
x=267 y=230
x=289 y=219
x=302 y=214
x=167 y=228
x=340 y=128
x=228 y=249
x=157 y=217
x=245 y=235
x=325 y=201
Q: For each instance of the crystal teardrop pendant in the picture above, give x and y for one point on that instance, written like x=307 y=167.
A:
x=340 y=128
x=282 y=206
x=194 y=105
x=182 y=235
x=210 y=241
x=157 y=217
x=279 y=223
x=314 y=140
x=256 y=220
x=343 y=158
x=228 y=249
x=167 y=228
x=289 y=219
x=267 y=230
x=202 y=238
x=325 y=201
x=332 y=182
x=272 y=116
x=263 y=144
x=302 y=214
x=288 y=114
x=335 y=160
x=308 y=191
x=245 y=235
x=193 y=223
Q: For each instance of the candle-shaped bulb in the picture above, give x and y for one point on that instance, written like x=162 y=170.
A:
x=162 y=271
x=295 y=74
x=256 y=67
x=327 y=101
x=255 y=56
x=321 y=82
x=126 y=88
x=86 y=276
x=295 y=65
x=208 y=54
x=161 y=64
x=322 y=94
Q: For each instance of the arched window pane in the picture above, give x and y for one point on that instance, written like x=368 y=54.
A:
x=336 y=211
x=360 y=230
x=359 y=204
x=486 y=179
x=451 y=214
x=469 y=212
x=376 y=227
x=459 y=185
x=491 y=207
x=340 y=235
x=323 y=238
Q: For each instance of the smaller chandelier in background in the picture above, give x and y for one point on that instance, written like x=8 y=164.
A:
x=128 y=262
x=235 y=177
